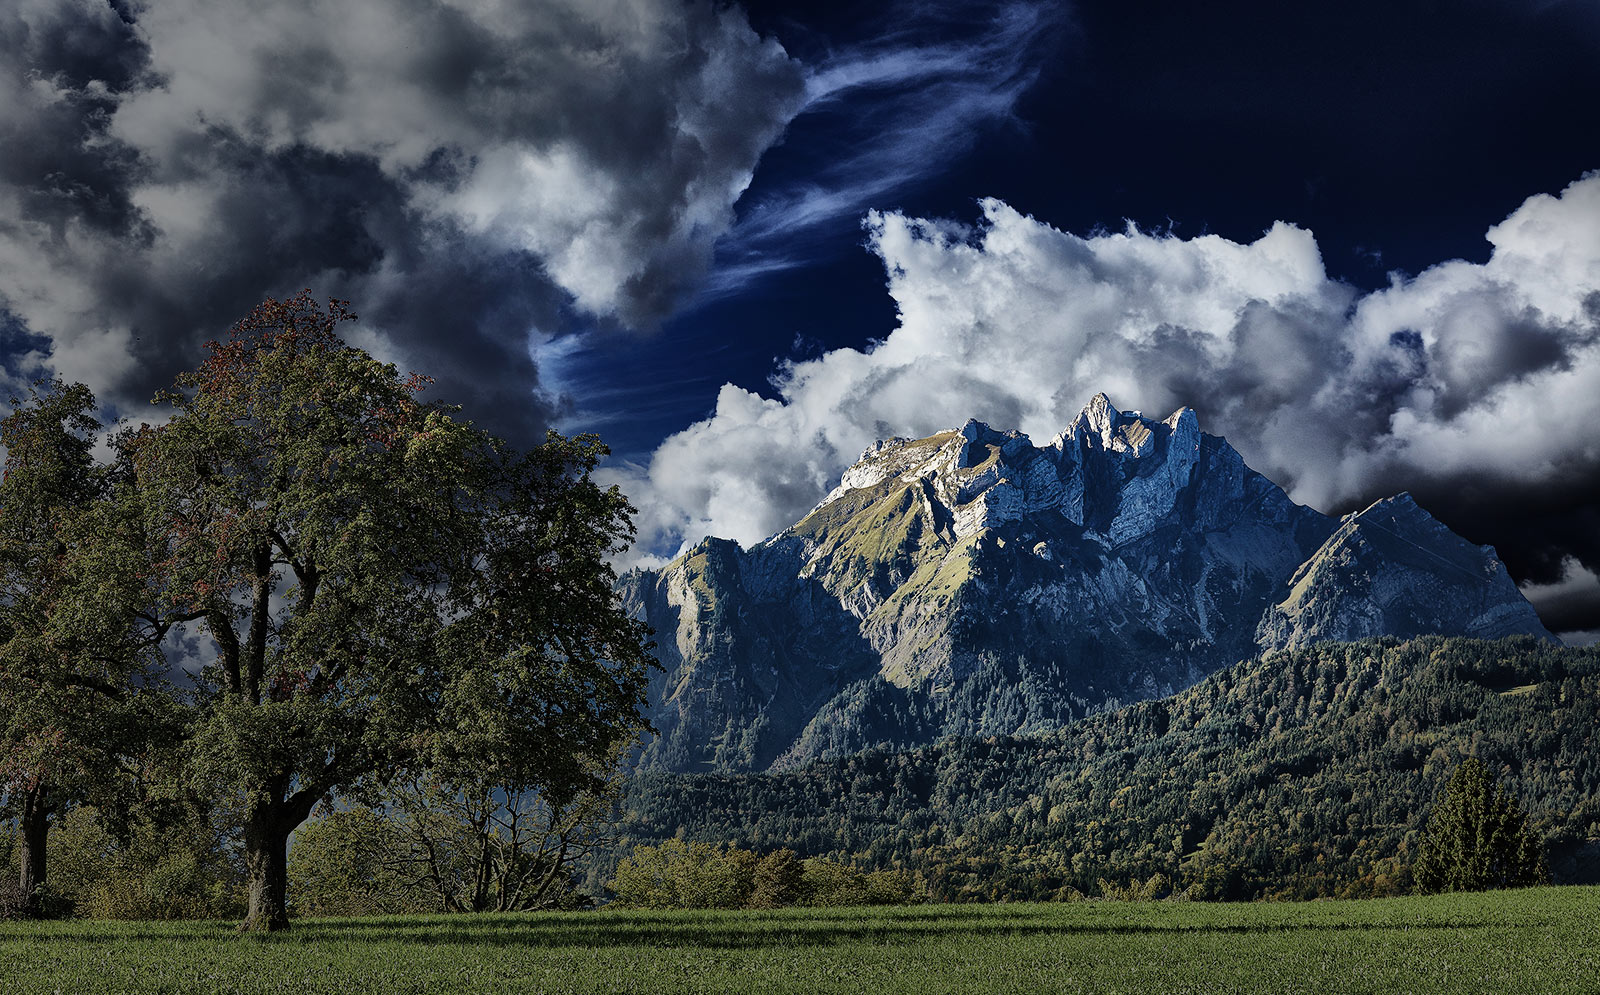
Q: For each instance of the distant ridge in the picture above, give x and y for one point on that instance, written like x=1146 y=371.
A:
x=971 y=582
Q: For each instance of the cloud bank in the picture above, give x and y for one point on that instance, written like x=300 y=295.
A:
x=462 y=169
x=1475 y=386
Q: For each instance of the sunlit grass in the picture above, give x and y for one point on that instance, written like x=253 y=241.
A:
x=1537 y=940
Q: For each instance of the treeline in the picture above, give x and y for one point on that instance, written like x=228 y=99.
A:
x=1301 y=774
x=695 y=875
x=425 y=848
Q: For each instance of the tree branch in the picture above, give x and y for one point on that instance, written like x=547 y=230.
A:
x=260 y=611
x=221 y=627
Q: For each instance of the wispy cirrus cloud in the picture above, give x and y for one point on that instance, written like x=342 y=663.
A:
x=899 y=108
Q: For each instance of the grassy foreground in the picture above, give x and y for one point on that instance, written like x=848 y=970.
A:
x=1538 y=940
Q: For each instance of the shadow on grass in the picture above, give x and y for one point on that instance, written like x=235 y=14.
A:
x=723 y=932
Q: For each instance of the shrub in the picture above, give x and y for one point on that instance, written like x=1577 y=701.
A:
x=13 y=903
x=831 y=883
x=689 y=875
x=683 y=875
x=779 y=880
x=178 y=871
x=346 y=864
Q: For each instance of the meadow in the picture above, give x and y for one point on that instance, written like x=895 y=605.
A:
x=1536 y=940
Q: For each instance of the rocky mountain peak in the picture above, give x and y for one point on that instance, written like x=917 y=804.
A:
x=1102 y=425
x=1112 y=471
x=971 y=582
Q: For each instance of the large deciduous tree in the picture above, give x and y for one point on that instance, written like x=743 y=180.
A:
x=80 y=693
x=385 y=587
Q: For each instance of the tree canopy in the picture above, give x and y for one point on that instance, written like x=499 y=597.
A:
x=79 y=676
x=383 y=586
x=1478 y=838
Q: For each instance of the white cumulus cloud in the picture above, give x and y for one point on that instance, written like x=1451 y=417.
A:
x=1466 y=371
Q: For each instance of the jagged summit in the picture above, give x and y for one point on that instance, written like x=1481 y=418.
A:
x=1112 y=471
x=973 y=582
x=1100 y=425
x=1122 y=431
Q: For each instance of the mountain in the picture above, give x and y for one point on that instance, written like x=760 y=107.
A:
x=973 y=583
x=1392 y=569
x=1303 y=773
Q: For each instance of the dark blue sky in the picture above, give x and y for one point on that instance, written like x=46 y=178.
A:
x=597 y=216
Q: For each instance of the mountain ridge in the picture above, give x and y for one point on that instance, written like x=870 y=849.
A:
x=972 y=582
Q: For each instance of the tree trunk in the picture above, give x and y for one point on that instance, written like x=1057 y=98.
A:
x=266 y=852
x=35 y=829
x=266 y=856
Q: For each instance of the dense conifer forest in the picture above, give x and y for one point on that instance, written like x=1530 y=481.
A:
x=1299 y=774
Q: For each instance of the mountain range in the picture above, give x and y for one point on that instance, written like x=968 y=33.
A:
x=973 y=583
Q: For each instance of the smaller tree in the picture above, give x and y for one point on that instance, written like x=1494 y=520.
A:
x=1478 y=838
x=486 y=847
x=779 y=880
x=81 y=693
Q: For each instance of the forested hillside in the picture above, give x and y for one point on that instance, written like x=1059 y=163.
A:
x=1302 y=773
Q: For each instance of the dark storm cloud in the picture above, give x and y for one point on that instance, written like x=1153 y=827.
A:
x=466 y=174
x=455 y=300
x=1570 y=610
x=62 y=70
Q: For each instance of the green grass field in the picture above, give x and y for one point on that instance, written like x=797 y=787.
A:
x=1537 y=941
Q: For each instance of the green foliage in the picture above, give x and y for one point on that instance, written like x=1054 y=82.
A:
x=436 y=847
x=1302 y=774
x=179 y=870
x=1478 y=838
x=680 y=874
x=778 y=880
x=483 y=847
x=832 y=883
x=344 y=864
x=80 y=695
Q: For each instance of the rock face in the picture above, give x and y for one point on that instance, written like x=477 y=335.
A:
x=1392 y=569
x=974 y=583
